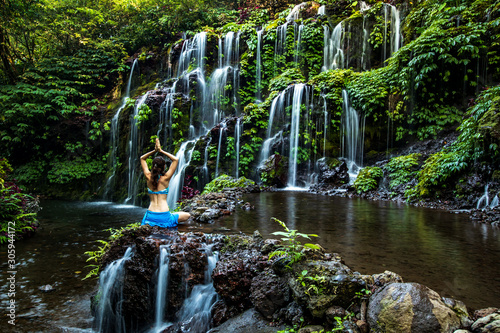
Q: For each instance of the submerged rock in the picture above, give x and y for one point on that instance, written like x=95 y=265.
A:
x=248 y=321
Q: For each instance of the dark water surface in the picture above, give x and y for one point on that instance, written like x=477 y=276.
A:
x=444 y=251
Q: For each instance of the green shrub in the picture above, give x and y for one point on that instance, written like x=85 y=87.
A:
x=368 y=179
x=17 y=210
x=402 y=169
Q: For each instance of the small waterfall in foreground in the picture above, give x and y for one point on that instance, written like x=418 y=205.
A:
x=162 y=286
x=115 y=134
x=333 y=57
x=258 y=68
x=108 y=314
x=352 y=136
x=196 y=308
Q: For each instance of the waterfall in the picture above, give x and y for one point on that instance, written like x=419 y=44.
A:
x=352 y=135
x=280 y=47
x=222 y=129
x=206 y=176
x=193 y=49
x=298 y=94
x=384 y=52
x=108 y=314
x=277 y=106
x=395 y=30
x=115 y=137
x=258 y=74
x=133 y=153
x=162 y=286
x=238 y=136
x=484 y=200
x=366 y=44
x=266 y=147
x=321 y=10
x=494 y=202
x=333 y=54
x=196 y=308
x=298 y=44
x=325 y=112
x=177 y=181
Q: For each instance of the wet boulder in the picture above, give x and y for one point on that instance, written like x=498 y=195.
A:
x=333 y=172
x=274 y=171
x=319 y=285
x=248 y=321
x=233 y=276
x=269 y=293
x=411 y=307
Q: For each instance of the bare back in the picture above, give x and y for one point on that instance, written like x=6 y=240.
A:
x=158 y=202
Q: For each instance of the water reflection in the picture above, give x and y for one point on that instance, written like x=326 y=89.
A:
x=444 y=251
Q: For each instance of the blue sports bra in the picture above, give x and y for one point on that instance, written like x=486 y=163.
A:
x=164 y=191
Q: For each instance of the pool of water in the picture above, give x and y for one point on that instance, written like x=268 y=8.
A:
x=444 y=251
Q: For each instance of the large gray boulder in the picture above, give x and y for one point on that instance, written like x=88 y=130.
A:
x=412 y=307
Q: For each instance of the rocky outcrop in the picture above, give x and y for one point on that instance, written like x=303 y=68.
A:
x=254 y=291
x=412 y=307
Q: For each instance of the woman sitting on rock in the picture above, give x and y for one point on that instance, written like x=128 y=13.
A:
x=158 y=213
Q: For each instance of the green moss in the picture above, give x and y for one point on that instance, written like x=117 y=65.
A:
x=225 y=181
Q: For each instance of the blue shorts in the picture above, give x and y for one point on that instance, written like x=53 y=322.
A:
x=163 y=219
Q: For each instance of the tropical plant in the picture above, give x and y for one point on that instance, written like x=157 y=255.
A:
x=291 y=248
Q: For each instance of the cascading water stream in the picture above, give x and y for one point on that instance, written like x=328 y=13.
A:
x=298 y=44
x=352 y=136
x=223 y=127
x=238 y=129
x=258 y=68
x=115 y=133
x=108 y=314
x=333 y=57
x=298 y=93
x=395 y=30
x=177 y=181
x=133 y=153
x=162 y=287
x=196 y=308
x=277 y=106
x=205 y=166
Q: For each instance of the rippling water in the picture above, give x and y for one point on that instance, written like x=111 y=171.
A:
x=444 y=251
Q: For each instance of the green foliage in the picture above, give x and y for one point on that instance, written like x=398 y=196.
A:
x=291 y=247
x=461 y=154
x=402 y=169
x=143 y=114
x=17 y=210
x=64 y=171
x=225 y=181
x=368 y=179
x=96 y=256
x=288 y=77
x=313 y=285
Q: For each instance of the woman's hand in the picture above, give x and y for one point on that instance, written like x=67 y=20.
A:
x=157 y=145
